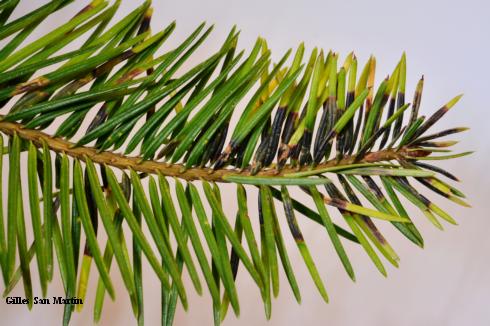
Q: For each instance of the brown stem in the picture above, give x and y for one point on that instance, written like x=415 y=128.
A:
x=60 y=145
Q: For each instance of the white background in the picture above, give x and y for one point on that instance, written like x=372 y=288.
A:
x=447 y=283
